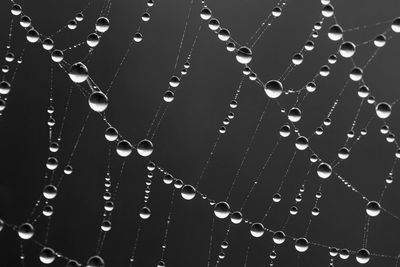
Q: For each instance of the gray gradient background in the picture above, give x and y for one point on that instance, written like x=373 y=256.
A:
x=189 y=129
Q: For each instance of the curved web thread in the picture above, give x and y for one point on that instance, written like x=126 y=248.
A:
x=8 y=44
x=169 y=218
x=211 y=242
x=247 y=150
x=166 y=102
x=292 y=66
x=133 y=40
x=20 y=60
x=37 y=203
x=62 y=28
x=366 y=26
x=254 y=184
x=265 y=24
x=59 y=182
x=210 y=156
x=173 y=91
x=100 y=238
x=109 y=214
x=345 y=182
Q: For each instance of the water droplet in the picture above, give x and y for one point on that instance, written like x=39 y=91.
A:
x=273 y=88
x=95 y=261
x=324 y=170
x=47 y=255
x=279 y=237
x=383 y=110
x=244 y=55
x=373 y=208
x=347 y=49
x=26 y=231
x=78 y=72
x=222 y=210
x=363 y=256
x=257 y=229
x=145 y=148
x=301 y=244
x=102 y=24
x=145 y=213
x=124 y=148
x=98 y=101
x=188 y=192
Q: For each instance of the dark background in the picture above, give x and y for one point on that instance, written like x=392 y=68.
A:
x=189 y=129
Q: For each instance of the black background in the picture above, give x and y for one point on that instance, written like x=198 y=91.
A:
x=189 y=129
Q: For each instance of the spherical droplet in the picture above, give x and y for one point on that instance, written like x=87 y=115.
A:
x=98 y=101
x=301 y=143
x=257 y=229
x=324 y=170
x=335 y=32
x=363 y=256
x=95 y=261
x=145 y=148
x=327 y=11
x=47 y=255
x=102 y=24
x=363 y=91
x=236 y=217
x=244 y=55
x=279 y=237
x=47 y=210
x=224 y=34
x=52 y=163
x=111 y=134
x=311 y=87
x=93 y=40
x=396 y=25
x=16 y=10
x=294 y=115
x=205 y=13
x=297 y=59
x=26 y=231
x=222 y=210
x=380 y=40
x=5 y=87
x=174 y=81
x=78 y=72
x=188 y=192
x=273 y=88
x=284 y=131
x=343 y=153
x=356 y=74
x=383 y=110
x=145 y=213
x=213 y=24
x=32 y=36
x=106 y=225
x=344 y=254
x=72 y=24
x=124 y=148
x=50 y=191
x=168 y=96
x=79 y=17
x=347 y=49
x=48 y=44
x=53 y=147
x=373 y=208
x=301 y=244
x=25 y=21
